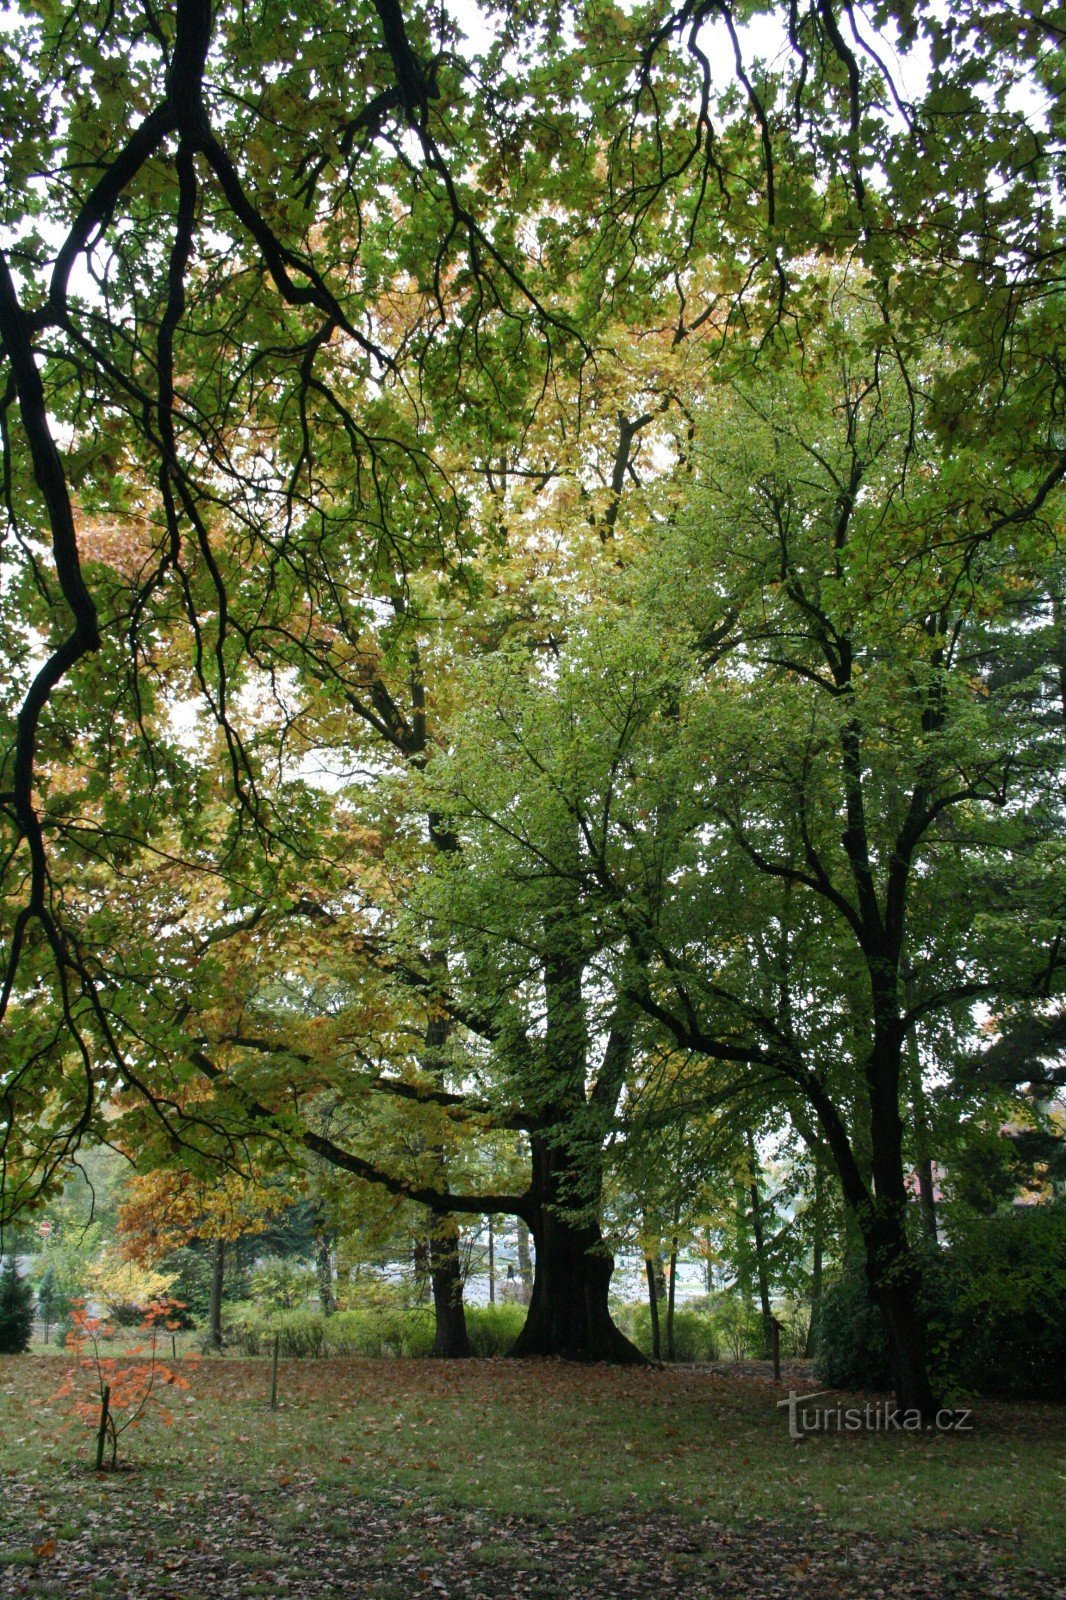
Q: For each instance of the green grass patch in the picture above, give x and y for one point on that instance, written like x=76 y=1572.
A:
x=549 y=1438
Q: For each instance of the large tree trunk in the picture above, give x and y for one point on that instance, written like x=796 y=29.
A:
x=892 y=1270
x=451 y=1339
x=568 y=1310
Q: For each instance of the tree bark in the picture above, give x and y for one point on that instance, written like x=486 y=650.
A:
x=761 y=1270
x=451 y=1339
x=653 y=1307
x=525 y=1262
x=569 y=1314
x=671 y=1295
x=214 y=1306
x=817 y=1249
x=324 y=1271
x=892 y=1271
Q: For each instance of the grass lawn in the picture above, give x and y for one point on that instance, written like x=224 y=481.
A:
x=494 y=1478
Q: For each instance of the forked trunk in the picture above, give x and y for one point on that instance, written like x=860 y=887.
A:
x=569 y=1315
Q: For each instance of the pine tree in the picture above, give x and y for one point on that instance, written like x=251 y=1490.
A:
x=16 y=1310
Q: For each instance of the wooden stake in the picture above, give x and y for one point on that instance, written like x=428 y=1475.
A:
x=274 y=1375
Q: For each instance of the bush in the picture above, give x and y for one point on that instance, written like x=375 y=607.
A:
x=16 y=1310
x=280 y=1283
x=850 y=1343
x=380 y=1332
x=1007 y=1291
x=251 y=1331
x=994 y=1305
x=696 y=1335
x=494 y=1329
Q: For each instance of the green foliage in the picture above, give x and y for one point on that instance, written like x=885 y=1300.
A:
x=850 y=1346
x=714 y=1327
x=251 y=1331
x=16 y=1310
x=278 y=1283
x=695 y=1333
x=493 y=1329
x=1005 y=1328
x=994 y=1305
x=378 y=1332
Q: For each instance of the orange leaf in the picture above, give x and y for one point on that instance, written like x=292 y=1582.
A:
x=43 y=1551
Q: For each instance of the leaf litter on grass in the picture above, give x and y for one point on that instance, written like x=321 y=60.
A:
x=492 y=1480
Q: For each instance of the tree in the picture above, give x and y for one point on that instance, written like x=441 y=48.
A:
x=16 y=1310
x=166 y=1208
x=784 y=767
x=868 y=765
x=276 y=334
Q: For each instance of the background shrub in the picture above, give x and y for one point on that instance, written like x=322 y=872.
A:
x=494 y=1329
x=697 y=1335
x=994 y=1302
x=379 y=1331
x=280 y=1283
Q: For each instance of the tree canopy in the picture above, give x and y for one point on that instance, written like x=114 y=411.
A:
x=531 y=580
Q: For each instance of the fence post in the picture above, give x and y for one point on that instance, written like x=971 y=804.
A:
x=274 y=1375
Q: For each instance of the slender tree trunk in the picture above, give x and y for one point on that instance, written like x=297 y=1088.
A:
x=817 y=1251
x=492 y=1263
x=653 y=1308
x=761 y=1271
x=923 y=1143
x=671 y=1353
x=324 y=1271
x=214 y=1305
x=660 y=1276
x=450 y=1338
x=525 y=1262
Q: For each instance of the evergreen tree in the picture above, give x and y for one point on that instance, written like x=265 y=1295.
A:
x=16 y=1310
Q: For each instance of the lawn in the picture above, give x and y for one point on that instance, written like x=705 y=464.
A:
x=492 y=1478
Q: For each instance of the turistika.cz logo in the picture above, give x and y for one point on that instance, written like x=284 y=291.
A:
x=877 y=1416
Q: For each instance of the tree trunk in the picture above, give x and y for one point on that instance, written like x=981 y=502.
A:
x=525 y=1262
x=817 y=1250
x=324 y=1271
x=893 y=1273
x=671 y=1354
x=450 y=1339
x=761 y=1272
x=653 y=1307
x=214 y=1306
x=568 y=1310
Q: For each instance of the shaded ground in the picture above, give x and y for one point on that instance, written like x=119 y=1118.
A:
x=302 y=1544
x=493 y=1480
